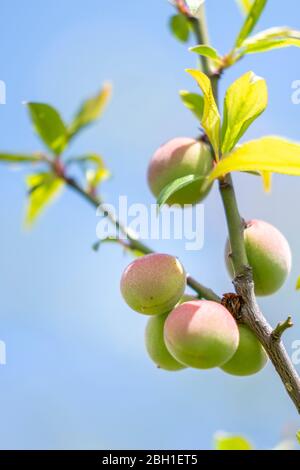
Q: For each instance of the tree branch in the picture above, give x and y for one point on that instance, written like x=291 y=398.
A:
x=244 y=285
x=132 y=238
x=281 y=328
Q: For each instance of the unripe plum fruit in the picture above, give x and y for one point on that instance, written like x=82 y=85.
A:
x=156 y=347
x=177 y=158
x=250 y=356
x=201 y=334
x=268 y=254
x=153 y=284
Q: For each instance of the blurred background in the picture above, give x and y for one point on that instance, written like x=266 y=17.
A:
x=77 y=375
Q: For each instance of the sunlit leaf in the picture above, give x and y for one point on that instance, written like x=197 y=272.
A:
x=194 y=102
x=211 y=120
x=94 y=168
x=251 y=20
x=207 y=51
x=267 y=180
x=271 y=154
x=49 y=126
x=245 y=101
x=16 y=158
x=245 y=5
x=195 y=7
x=180 y=27
x=298 y=436
x=175 y=186
x=298 y=288
x=43 y=189
x=123 y=243
x=225 y=441
x=273 y=38
x=287 y=444
x=90 y=110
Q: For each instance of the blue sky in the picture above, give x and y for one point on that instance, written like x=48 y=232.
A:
x=77 y=374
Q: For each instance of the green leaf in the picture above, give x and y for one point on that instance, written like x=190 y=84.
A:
x=211 y=120
x=271 y=154
x=180 y=27
x=298 y=288
x=43 y=189
x=90 y=110
x=19 y=158
x=267 y=180
x=194 y=102
x=49 y=126
x=273 y=38
x=94 y=168
x=298 y=436
x=225 y=441
x=96 y=246
x=245 y=101
x=251 y=20
x=209 y=52
x=175 y=186
x=245 y=5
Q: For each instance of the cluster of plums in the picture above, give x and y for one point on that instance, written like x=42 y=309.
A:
x=185 y=331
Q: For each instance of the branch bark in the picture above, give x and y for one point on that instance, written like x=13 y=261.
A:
x=243 y=282
x=132 y=238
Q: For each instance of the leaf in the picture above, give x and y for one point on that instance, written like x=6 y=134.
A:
x=267 y=180
x=95 y=169
x=90 y=110
x=245 y=101
x=287 y=444
x=225 y=441
x=180 y=27
x=43 y=188
x=175 y=186
x=298 y=436
x=272 y=38
x=245 y=5
x=251 y=20
x=49 y=126
x=207 y=51
x=271 y=154
x=194 y=102
x=97 y=245
x=19 y=158
x=211 y=120
x=195 y=7
x=298 y=288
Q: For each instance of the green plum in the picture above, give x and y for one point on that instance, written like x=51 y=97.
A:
x=153 y=284
x=201 y=334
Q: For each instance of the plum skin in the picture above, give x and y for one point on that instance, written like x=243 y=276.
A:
x=250 y=357
x=180 y=157
x=153 y=284
x=201 y=334
x=156 y=347
x=268 y=254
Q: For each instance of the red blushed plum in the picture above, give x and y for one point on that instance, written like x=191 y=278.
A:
x=153 y=284
x=201 y=334
x=156 y=346
x=268 y=254
x=250 y=356
x=177 y=158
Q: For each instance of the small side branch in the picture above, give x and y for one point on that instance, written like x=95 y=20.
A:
x=281 y=328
